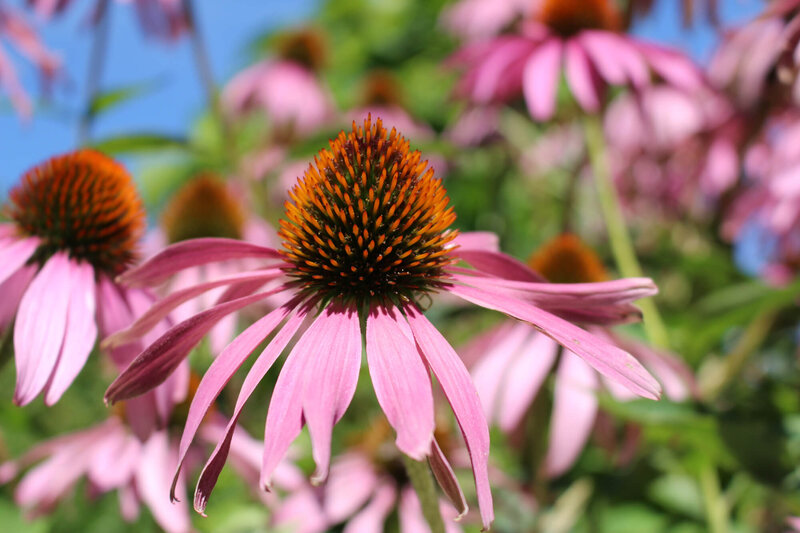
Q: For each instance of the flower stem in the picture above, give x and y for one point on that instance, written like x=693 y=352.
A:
x=97 y=59
x=422 y=481
x=716 y=506
x=621 y=245
x=206 y=75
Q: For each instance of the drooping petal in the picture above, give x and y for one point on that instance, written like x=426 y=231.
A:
x=525 y=376
x=463 y=398
x=80 y=333
x=447 y=479
x=574 y=411
x=498 y=265
x=12 y=290
x=191 y=253
x=401 y=381
x=581 y=77
x=160 y=309
x=540 y=79
x=372 y=517
x=155 y=364
x=208 y=477
x=152 y=480
x=40 y=326
x=330 y=380
x=14 y=254
x=222 y=369
x=477 y=240
x=351 y=482
x=603 y=357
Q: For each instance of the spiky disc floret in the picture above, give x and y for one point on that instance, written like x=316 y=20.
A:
x=566 y=259
x=204 y=207
x=368 y=222
x=84 y=203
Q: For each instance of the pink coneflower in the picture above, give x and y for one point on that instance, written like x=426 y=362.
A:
x=366 y=236
x=286 y=89
x=207 y=207
x=480 y=19
x=673 y=152
x=16 y=30
x=582 y=38
x=513 y=360
x=111 y=458
x=164 y=19
x=768 y=206
x=75 y=223
x=759 y=62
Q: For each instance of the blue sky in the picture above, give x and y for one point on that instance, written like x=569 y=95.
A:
x=229 y=26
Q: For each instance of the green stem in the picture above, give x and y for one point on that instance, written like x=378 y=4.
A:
x=97 y=59
x=716 y=507
x=618 y=236
x=422 y=481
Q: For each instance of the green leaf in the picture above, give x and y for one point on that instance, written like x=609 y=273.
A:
x=112 y=98
x=139 y=143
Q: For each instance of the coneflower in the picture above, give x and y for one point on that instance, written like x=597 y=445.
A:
x=366 y=235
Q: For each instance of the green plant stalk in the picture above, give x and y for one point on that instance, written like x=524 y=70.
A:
x=97 y=59
x=422 y=481
x=620 y=240
x=715 y=504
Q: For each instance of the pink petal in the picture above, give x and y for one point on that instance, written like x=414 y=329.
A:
x=574 y=411
x=80 y=334
x=14 y=254
x=191 y=253
x=371 y=519
x=154 y=365
x=12 y=290
x=674 y=67
x=114 y=464
x=159 y=311
x=605 y=358
x=351 y=482
x=524 y=379
x=152 y=481
x=603 y=55
x=477 y=240
x=218 y=374
x=463 y=398
x=411 y=519
x=331 y=380
x=40 y=326
x=581 y=77
x=540 y=79
x=447 y=479
x=401 y=381
x=497 y=264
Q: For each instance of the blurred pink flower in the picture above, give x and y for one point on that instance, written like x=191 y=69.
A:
x=16 y=30
x=580 y=38
x=289 y=94
x=207 y=207
x=75 y=223
x=673 y=152
x=479 y=19
x=759 y=62
x=510 y=363
x=111 y=457
x=164 y=19
x=380 y=274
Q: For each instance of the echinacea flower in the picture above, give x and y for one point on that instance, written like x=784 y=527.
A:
x=163 y=19
x=512 y=361
x=474 y=20
x=76 y=220
x=207 y=207
x=286 y=89
x=366 y=235
x=758 y=63
x=580 y=38
x=19 y=33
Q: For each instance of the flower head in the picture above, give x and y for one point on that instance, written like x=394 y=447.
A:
x=388 y=220
x=75 y=223
x=205 y=207
x=568 y=17
x=369 y=223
